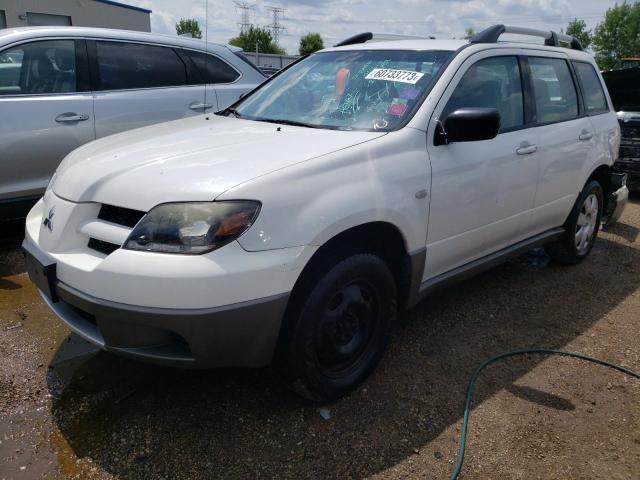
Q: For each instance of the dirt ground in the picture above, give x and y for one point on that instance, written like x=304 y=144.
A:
x=68 y=411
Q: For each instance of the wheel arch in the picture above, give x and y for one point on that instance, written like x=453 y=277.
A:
x=602 y=174
x=380 y=238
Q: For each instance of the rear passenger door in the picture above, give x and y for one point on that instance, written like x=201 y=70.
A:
x=596 y=106
x=137 y=84
x=565 y=140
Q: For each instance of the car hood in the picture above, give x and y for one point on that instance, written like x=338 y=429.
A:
x=194 y=159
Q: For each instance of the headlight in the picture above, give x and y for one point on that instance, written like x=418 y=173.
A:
x=192 y=228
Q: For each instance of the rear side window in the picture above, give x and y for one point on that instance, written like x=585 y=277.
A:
x=555 y=93
x=211 y=68
x=594 y=98
x=124 y=66
x=47 y=67
x=493 y=82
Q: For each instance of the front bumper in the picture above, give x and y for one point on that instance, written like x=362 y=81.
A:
x=240 y=335
x=632 y=168
x=618 y=198
x=220 y=309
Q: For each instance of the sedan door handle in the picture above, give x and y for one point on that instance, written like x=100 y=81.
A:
x=526 y=149
x=200 y=106
x=584 y=136
x=71 y=117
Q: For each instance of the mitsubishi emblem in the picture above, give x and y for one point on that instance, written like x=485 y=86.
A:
x=48 y=222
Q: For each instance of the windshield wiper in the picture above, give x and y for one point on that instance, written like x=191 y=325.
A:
x=288 y=122
x=228 y=111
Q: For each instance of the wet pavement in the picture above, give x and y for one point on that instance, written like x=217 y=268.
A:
x=69 y=411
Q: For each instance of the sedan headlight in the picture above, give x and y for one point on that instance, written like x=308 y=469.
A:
x=192 y=228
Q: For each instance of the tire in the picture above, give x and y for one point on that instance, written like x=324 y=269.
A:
x=581 y=227
x=337 y=327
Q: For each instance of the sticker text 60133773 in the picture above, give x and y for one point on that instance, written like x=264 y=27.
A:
x=390 y=75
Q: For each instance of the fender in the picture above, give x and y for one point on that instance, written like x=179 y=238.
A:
x=310 y=202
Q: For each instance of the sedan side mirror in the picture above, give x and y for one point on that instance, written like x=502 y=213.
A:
x=468 y=125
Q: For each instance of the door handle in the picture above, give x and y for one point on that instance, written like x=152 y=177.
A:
x=526 y=149
x=71 y=117
x=200 y=106
x=585 y=135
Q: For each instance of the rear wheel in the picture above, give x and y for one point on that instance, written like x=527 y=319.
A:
x=581 y=227
x=338 y=327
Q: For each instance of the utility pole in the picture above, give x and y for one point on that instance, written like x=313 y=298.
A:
x=277 y=14
x=245 y=14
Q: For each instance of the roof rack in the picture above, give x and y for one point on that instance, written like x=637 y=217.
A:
x=359 y=38
x=378 y=37
x=551 y=38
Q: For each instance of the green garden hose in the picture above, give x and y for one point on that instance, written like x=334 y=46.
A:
x=474 y=377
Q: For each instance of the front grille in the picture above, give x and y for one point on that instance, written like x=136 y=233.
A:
x=121 y=216
x=102 y=246
x=630 y=132
x=630 y=151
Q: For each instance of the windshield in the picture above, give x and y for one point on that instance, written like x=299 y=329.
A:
x=351 y=90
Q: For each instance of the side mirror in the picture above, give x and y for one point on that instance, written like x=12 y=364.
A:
x=468 y=125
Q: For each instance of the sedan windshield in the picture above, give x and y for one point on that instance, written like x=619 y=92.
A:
x=350 y=90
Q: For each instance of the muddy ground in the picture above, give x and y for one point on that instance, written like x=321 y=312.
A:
x=67 y=411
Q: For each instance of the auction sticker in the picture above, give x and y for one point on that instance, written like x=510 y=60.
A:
x=390 y=75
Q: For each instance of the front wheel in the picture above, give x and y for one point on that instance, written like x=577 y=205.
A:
x=581 y=227
x=340 y=328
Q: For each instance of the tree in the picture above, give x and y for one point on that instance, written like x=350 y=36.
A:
x=311 y=42
x=617 y=36
x=261 y=37
x=468 y=33
x=578 y=29
x=188 y=25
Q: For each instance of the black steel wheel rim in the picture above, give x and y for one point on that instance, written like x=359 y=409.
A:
x=346 y=328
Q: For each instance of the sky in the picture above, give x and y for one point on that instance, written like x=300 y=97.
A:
x=339 y=19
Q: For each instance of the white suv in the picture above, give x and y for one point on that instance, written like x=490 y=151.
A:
x=291 y=227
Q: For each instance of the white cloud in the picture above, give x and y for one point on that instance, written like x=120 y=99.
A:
x=338 y=19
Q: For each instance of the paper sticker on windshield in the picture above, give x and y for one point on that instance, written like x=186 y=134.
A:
x=390 y=75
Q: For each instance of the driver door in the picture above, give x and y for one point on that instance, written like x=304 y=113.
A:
x=481 y=191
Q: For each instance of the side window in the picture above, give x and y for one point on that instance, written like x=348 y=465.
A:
x=38 y=68
x=211 y=68
x=493 y=82
x=594 y=98
x=124 y=66
x=555 y=93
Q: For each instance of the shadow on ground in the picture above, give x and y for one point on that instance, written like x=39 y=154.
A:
x=11 y=260
x=141 y=421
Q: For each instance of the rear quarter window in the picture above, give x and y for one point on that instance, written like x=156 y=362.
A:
x=594 y=98
x=211 y=68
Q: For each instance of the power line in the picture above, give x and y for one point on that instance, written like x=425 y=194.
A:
x=276 y=27
x=245 y=14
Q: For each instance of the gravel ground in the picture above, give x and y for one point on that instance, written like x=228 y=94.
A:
x=67 y=411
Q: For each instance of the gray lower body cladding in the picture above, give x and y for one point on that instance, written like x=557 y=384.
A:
x=240 y=335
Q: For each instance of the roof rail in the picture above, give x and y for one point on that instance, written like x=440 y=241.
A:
x=551 y=38
x=378 y=37
x=359 y=38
